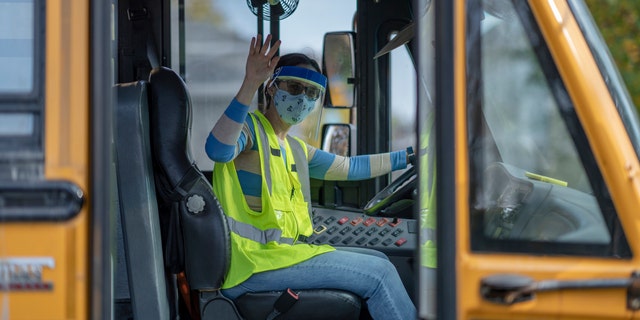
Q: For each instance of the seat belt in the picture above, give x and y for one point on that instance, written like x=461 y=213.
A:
x=137 y=62
x=286 y=300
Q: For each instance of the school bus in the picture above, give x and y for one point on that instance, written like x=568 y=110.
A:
x=521 y=202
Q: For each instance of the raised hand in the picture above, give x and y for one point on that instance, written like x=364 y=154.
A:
x=260 y=64
x=261 y=60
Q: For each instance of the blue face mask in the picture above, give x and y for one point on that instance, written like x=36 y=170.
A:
x=293 y=109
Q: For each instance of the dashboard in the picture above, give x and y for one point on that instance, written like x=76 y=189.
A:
x=393 y=236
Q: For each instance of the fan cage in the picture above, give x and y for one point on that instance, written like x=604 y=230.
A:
x=282 y=8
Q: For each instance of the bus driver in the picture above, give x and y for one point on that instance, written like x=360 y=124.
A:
x=261 y=175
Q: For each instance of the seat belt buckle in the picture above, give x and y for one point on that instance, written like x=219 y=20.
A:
x=286 y=300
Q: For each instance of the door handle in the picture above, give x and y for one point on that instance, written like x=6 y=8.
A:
x=508 y=289
x=40 y=200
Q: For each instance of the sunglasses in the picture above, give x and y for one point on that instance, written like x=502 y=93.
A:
x=295 y=88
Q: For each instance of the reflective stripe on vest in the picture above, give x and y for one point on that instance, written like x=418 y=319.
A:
x=300 y=156
x=248 y=231
x=265 y=151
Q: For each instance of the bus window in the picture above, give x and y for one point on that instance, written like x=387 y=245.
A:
x=16 y=47
x=216 y=45
x=304 y=32
x=534 y=175
x=21 y=89
x=403 y=101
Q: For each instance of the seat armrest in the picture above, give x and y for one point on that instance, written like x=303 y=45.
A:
x=205 y=235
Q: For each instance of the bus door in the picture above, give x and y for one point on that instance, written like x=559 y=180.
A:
x=537 y=176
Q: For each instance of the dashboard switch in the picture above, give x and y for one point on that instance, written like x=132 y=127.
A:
x=369 y=221
x=400 y=242
x=382 y=222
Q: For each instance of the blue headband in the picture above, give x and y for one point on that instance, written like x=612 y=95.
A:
x=301 y=74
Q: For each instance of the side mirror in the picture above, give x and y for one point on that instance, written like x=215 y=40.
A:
x=336 y=139
x=338 y=64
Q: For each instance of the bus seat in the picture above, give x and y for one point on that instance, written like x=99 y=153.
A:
x=198 y=237
x=138 y=219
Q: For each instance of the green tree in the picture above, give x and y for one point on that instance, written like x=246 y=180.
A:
x=202 y=10
x=619 y=24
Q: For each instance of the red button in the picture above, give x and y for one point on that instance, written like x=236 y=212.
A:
x=400 y=242
x=343 y=220
x=356 y=221
x=369 y=221
x=381 y=222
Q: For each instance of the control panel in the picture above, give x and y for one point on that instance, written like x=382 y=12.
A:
x=344 y=228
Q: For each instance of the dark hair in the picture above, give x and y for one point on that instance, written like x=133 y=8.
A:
x=292 y=59
x=296 y=59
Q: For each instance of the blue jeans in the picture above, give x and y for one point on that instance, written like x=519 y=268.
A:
x=367 y=273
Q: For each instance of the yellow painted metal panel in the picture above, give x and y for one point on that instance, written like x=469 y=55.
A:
x=464 y=286
x=67 y=135
x=565 y=304
x=66 y=146
x=41 y=240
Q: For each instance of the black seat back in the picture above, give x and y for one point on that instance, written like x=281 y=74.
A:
x=138 y=216
x=195 y=231
x=183 y=190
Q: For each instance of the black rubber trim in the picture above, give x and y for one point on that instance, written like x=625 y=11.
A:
x=39 y=200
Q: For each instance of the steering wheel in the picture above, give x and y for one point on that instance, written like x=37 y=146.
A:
x=394 y=191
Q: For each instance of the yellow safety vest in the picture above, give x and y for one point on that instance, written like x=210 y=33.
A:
x=268 y=240
x=427 y=160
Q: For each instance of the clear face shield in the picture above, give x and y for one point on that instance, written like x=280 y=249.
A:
x=298 y=92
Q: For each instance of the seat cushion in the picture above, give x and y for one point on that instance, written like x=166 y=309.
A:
x=312 y=304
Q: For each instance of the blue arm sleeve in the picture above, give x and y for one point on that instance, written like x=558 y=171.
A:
x=328 y=166
x=220 y=152
x=398 y=160
x=227 y=139
x=320 y=163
